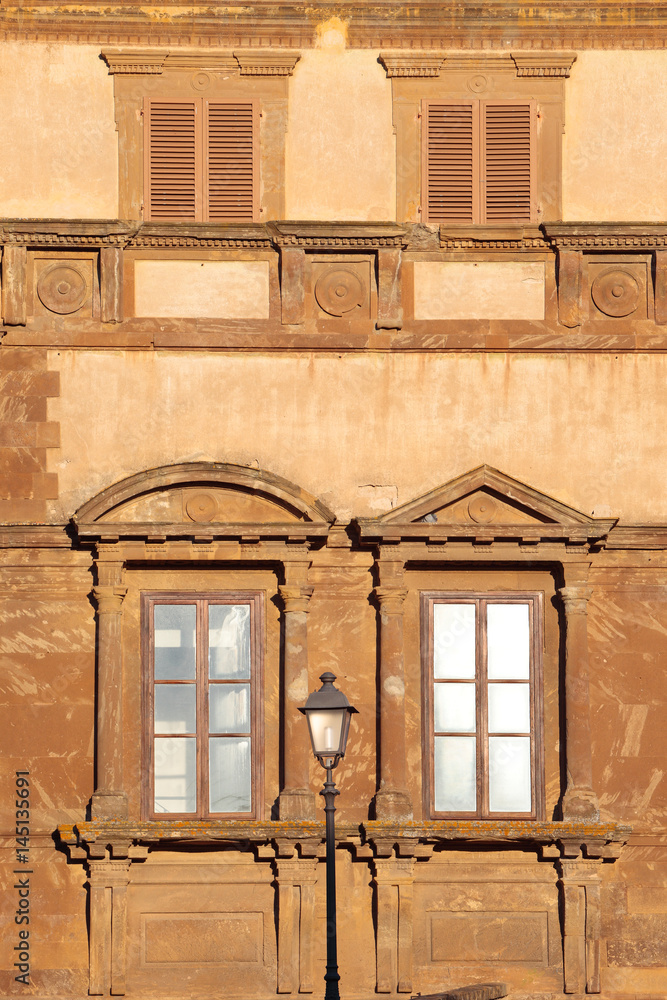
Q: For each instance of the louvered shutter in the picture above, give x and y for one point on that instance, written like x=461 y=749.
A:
x=450 y=157
x=173 y=160
x=507 y=161
x=231 y=162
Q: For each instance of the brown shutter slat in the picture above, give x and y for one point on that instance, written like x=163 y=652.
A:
x=172 y=160
x=231 y=149
x=507 y=158
x=449 y=154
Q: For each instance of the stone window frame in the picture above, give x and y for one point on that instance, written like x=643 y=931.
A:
x=255 y=600
x=255 y=76
x=457 y=77
x=535 y=600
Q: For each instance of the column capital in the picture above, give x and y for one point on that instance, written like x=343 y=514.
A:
x=390 y=599
x=575 y=599
x=109 y=599
x=295 y=598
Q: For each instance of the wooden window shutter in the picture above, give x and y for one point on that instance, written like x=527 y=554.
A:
x=450 y=158
x=232 y=132
x=508 y=170
x=173 y=160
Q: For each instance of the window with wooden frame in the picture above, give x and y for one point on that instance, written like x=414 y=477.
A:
x=201 y=160
x=203 y=718
x=483 y=705
x=478 y=161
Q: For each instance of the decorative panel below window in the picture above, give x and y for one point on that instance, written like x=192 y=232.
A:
x=202 y=704
x=483 y=705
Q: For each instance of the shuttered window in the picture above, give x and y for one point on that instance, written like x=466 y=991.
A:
x=479 y=161
x=201 y=161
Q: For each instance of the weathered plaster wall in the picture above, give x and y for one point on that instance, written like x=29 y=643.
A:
x=615 y=140
x=57 y=132
x=337 y=426
x=341 y=152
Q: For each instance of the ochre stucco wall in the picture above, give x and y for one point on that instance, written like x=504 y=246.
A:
x=340 y=152
x=615 y=141
x=337 y=425
x=60 y=148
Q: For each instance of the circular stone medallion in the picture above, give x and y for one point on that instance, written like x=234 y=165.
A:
x=62 y=288
x=201 y=507
x=477 y=84
x=482 y=509
x=338 y=291
x=200 y=81
x=615 y=292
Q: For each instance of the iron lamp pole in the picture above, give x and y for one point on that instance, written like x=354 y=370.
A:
x=328 y=714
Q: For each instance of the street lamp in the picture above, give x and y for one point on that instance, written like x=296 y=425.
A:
x=328 y=715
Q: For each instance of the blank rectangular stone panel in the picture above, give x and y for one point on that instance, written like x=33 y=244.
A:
x=501 y=937
x=224 y=938
x=479 y=290
x=202 y=289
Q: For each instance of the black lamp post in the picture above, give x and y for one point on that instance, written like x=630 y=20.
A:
x=328 y=715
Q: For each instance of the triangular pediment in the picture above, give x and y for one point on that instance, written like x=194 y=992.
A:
x=486 y=497
x=192 y=496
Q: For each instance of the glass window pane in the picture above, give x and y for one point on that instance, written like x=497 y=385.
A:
x=455 y=767
x=229 y=774
x=509 y=708
x=454 y=640
x=229 y=641
x=454 y=708
x=174 y=641
x=509 y=774
x=229 y=708
x=508 y=641
x=175 y=708
x=175 y=775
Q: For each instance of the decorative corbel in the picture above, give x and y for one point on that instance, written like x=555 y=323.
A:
x=14 y=283
x=570 y=278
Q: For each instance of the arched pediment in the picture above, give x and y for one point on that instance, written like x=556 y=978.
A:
x=199 y=496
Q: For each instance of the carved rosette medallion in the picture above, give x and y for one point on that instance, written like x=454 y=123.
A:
x=201 y=507
x=615 y=292
x=200 y=81
x=339 y=290
x=477 y=84
x=482 y=509
x=62 y=288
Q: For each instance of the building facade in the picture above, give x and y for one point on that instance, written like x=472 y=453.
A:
x=333 y=339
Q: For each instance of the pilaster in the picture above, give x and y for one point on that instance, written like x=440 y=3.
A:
x=108 y=882
x=296 y=799
x=393 y=881
x=579 y=800
x=393 y=800
x=109 y=798
x=579 y=884
x=296 y=879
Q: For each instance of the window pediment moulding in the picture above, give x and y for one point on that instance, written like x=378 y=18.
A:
x=486 y=511
x=149 y=62
x=202 y=502
x=433 y=64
